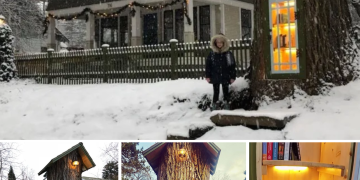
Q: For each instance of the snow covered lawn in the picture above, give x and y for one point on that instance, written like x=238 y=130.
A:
x=149 y=111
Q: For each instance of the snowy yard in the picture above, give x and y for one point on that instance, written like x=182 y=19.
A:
x=149 y=111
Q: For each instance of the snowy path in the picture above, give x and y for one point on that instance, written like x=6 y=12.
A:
x=148 y=111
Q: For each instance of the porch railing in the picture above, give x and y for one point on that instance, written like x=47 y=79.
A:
x=134 y=64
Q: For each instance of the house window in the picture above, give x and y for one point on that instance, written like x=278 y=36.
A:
x=124 y=31
x=204 y=23
x=150 y=29
x=195 y=12
x=284 y=45
x=245 y=23
x=107 y=31
x=168 y=26
x=179 y=25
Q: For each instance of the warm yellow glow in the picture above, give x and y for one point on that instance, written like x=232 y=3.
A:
x=273 y=5
x=287 y=168
x=293 y=50
x=75 y=163
x=276 y=67
x=182 y=152
x=291 y=3
x=285 y=67
x=286 y=25
x=288 y=50
x=2 y=21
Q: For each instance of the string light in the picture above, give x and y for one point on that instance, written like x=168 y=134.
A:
x=130 y=5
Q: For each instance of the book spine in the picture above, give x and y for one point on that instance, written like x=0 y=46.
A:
x=283 y=41
x=275 y=151
x=281 y=151
x=287 y=151
x=269 y=151
x=279 y=19
x=291 y=152
x=298 y=150
x=264 y=148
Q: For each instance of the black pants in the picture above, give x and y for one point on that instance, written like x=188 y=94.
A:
x=225 y=88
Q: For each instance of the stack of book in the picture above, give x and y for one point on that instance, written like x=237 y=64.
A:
x=281 y=151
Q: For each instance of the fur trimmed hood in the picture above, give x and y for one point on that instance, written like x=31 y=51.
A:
x=223 y=39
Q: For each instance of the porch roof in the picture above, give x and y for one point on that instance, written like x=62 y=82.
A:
x=57 y=5
x=85 y=157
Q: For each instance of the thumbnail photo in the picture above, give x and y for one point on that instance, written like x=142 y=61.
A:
x=183 y=161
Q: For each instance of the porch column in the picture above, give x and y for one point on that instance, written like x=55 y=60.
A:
x=213 y=20
x=136 y=39
x=90 y=32
x=222 y=12
x=189 y=29
x=51 y=40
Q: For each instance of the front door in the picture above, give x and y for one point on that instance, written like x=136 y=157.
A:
x=150 y=29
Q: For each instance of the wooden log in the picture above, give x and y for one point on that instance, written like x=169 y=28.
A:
x=252 y=121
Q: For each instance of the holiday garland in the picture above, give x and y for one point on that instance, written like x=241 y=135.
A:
x=116 y=13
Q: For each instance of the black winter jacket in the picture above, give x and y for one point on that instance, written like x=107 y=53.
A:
x=220 y=67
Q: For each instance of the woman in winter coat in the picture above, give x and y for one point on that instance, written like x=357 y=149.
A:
x=220 y=69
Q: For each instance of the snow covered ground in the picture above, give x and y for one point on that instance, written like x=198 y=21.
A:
x=149 y=111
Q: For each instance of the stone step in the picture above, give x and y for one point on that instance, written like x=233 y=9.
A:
x=253 y=119
x=183 y=131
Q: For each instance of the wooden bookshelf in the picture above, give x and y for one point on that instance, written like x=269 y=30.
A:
x=332 y=169
x=323 y=161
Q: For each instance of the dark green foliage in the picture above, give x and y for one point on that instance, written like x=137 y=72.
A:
x=238 y=100
x=6 y=53
x=133 y=162
x=111 y=171
x=11 y=175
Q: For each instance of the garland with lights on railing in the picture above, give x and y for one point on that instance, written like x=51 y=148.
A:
x=116 y=13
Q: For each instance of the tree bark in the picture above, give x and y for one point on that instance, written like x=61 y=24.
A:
x=196 y=165
x=64 y=170
x=329 y=53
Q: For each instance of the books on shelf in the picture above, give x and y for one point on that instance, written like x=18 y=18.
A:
x=283 y=18
x=264 y=151
x=275 y=151
x=269 y=151
x=281 y=151
x=286 y=151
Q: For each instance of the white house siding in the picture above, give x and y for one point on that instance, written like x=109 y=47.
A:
x=217 y=19
x=232 y=22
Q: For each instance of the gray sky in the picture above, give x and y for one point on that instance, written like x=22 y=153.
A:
x=36 y=154
x=232 y=159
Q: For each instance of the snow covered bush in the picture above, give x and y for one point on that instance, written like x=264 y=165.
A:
x=8 y=67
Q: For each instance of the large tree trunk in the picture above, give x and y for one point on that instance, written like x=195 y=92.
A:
x=329 y=52
x=195 y=167
x=64 y=170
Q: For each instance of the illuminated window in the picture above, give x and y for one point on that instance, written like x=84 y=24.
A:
x=284 y=42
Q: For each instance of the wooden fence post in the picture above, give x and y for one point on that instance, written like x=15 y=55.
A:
x=174 y=58
x=105 y=50
x=49 y=65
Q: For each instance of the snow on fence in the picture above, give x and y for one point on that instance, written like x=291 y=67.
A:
x=133 y=64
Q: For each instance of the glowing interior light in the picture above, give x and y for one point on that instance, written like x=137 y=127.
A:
x=291 y=3
x=75 y=163
x=295 y=168
x=2 y=21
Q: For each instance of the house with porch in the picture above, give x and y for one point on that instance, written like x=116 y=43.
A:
x=144 y=25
